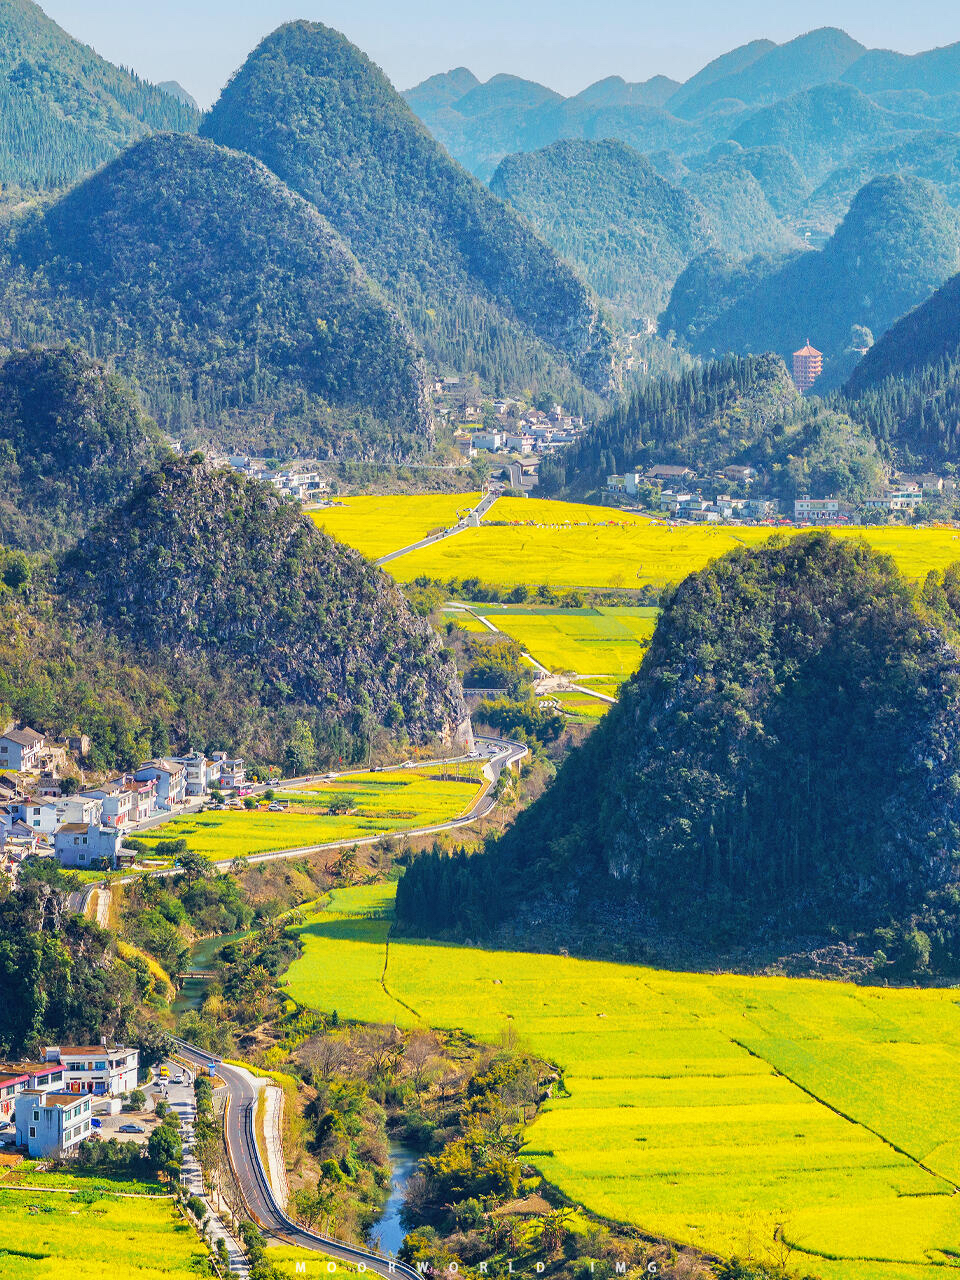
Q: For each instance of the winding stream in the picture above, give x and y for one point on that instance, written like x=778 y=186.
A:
x=388 y=1231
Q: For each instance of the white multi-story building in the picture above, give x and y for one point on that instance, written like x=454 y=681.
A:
x=231 y=771
x=117 y=802
x=21 y=749
x=97 y=1069
x=171 y=780
x=51 y=1124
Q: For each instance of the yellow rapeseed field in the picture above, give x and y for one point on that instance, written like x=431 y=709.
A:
x=48 y=1236
x=380 y=804
x=715 y=1110
x=377 y=525
x=572 y=545
x=588 y=641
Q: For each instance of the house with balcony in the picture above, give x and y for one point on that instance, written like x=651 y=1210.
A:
x=231 y=770
x=97 y=1069
x=117 y=802
x=171 y=779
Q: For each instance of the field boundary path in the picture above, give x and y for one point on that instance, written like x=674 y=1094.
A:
x=243 y=1091
x=468 y=522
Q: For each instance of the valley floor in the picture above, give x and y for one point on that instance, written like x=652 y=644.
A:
x=750 y=1116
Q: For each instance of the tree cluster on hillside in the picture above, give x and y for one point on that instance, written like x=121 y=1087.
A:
x=481 y=290
x=73 y=440
x=784 y=765
x=236 y=308
x=63 y=109
x=738 y=410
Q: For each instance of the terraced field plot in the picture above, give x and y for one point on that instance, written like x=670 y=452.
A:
x=590 y=641
x=714 y=1110
x=381 y=803
x=45 y=1235
x=378 y=525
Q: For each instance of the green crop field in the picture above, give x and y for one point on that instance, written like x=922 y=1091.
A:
x=715 y=1110
x=381 y=804
x=596 y=642
x=44 y=1235
x=378 y=525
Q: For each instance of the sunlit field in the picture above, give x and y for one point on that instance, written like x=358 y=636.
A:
x=600 y=642
x=715 y=1110
x=45 y=1235
x=380 y=804
x=572 y=545
x=378 y=525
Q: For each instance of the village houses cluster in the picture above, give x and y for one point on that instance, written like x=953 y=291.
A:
x=86 y=828
x=52 y=1102
x=679 y=498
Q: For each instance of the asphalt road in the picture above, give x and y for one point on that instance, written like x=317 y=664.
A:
x=255 y=1186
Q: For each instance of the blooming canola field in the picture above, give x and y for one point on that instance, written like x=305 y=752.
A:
x=572 y=545
x=721 y=1111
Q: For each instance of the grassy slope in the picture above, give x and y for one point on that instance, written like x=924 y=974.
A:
x=706 y=1108
x=383 y=803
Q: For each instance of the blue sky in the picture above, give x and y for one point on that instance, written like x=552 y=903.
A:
x=562 y=43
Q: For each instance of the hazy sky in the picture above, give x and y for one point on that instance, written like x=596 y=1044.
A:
x=563 y=43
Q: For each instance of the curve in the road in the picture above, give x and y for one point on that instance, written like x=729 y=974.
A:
x=254 y=1184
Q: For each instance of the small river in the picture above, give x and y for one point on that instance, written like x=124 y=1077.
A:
x=202 y=956
x=389 y=1229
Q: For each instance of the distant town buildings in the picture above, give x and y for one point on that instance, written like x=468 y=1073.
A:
x=807 y=366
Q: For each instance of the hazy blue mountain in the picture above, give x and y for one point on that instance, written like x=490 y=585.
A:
x=176 y=90
x=441 y=90
x=899 y=242
x=614 y=91
x=936 y=71
x=728 y=64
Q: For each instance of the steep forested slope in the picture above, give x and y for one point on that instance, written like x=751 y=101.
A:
x=741 y=219
x=739 y=410
x=783 y=764
x=233 y=304
x=605 y=208
x=63 y=109
x=481 y=290
x=907 y=387
x=73 y=440
x=898 y=243
x=211 y=567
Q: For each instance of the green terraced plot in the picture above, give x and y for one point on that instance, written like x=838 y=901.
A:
x=379 y=525
x=596 y=642
x=52 y=1236
x=710 y=1109
x=382 y=803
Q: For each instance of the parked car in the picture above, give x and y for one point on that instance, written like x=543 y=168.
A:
x=275 y=808
x=131 y=1128
x=95 y=1123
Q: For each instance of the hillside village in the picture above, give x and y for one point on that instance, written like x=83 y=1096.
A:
x=45 y=811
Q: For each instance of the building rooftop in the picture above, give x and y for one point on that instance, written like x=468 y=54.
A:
x=808 y=350
x=74 y=828
x=23 y=737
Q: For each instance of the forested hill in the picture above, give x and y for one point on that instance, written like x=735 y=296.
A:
x=482 y=291
x=899 y=242
x=738 y=410
x=605 y=208
x=232 y=303
x=73 y=440
x=221 y=574
x=63 y=109
x=783 y=766
x=907 y=387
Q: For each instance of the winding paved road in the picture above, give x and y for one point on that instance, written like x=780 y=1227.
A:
x=251 y=1176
